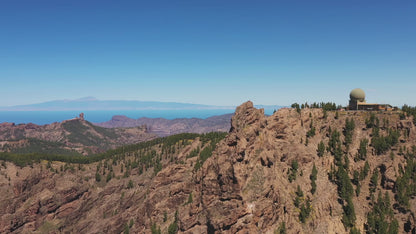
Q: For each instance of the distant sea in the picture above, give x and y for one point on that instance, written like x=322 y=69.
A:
x=47 y=117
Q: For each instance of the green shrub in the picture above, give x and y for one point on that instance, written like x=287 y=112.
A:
x=130 y=184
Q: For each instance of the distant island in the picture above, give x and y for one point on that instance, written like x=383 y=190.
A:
x=91 y=103
x=94 y=104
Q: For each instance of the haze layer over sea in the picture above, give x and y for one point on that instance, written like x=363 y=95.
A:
x=47 y=117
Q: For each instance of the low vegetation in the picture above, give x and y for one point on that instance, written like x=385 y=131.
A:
x=43 y=147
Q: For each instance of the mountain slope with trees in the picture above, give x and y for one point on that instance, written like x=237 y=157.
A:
x=70 y=137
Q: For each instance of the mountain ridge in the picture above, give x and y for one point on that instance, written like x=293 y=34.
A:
x=74 y=136
x=165 y=127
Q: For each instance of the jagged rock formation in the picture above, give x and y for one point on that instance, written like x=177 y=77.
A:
x=248 y=185
x=166 y=127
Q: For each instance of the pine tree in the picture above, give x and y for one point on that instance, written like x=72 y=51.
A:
x=348 y=218
x=321 y=149
x=362 y=151
x=374 y=181
x=313 y=178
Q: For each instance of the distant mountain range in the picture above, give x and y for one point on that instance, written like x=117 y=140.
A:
x=165 y=127
x=91 y=103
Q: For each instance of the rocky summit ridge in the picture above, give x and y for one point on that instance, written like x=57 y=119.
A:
x=297 y=171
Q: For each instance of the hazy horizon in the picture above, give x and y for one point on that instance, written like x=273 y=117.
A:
x=92 y=103
x=220 y=53
x=97 y=111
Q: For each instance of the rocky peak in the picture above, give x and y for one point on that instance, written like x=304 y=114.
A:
x=120 y=118
x=246 y=125
x=246 y=115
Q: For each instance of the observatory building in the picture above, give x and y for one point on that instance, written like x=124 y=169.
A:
x=357 y=102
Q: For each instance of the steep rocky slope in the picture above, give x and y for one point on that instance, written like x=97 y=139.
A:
x=258 y=180
x=68 y=137
x=166 y=127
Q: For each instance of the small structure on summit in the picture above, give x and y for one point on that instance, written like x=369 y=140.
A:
x=357 y=102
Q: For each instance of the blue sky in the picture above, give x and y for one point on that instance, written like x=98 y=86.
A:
x=207 y=52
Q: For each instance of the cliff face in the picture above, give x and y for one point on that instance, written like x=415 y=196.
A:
x=250 y=184
x=244 y=187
